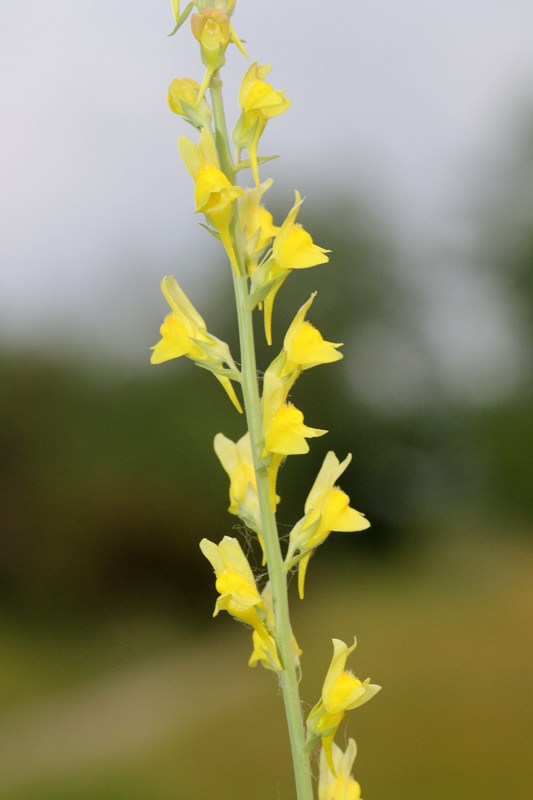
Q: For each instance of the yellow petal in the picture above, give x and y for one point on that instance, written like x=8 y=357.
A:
x=182 y=306
x=341 y=651
x=298 y=251
x=330 y=472
x=287 y=434
x=309 y=349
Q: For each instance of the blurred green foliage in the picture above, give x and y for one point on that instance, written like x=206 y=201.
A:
x=108 y=481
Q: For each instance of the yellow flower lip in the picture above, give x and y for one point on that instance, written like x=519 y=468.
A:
x=342 y=690
x=242 y=590
x=287 y=434
x=345 y=689
x=304 y=344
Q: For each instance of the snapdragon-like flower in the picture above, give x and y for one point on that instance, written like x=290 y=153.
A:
x=341 y=692
x=292 y=248
x=304 y=346
x=284 y=432
x=259 y=103
x=257 y=227
x=213 y=193
x=184 y=333
x=268 y=656
x=213 y=30
x=327 y=509
x=237 y=460
x=342 y=787
x=236 y=584
x=182 y=99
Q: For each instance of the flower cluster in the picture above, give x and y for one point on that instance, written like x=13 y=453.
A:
x=262 y=256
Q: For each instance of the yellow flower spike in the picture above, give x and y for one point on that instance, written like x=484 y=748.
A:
x=184 y=334
x=304 y=345
x=268 y=656
x=293 y=247
x=343 y=787
x=236 y=584
x=341 y=692
x=259 y=103
x=213 y=193
x=256 y=224
x=327 y=509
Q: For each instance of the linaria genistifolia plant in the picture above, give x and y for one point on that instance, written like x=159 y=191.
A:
x=261 y=257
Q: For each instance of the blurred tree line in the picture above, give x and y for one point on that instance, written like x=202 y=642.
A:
x=109 y=481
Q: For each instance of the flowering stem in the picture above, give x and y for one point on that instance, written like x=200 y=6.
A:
x=252 y=403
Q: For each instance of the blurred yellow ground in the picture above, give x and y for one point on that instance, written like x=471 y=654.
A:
x=449 y=637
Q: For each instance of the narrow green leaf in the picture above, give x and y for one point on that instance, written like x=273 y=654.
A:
x=245 y=163
x=183 y=17
x=259 y=295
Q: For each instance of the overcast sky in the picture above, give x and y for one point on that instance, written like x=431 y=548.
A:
x=397 y=100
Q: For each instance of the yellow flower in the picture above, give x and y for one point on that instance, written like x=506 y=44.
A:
x=304 y=345
x=182 y=97
x=212 y=28
x=343 y=787
x=259 y=103
x=236 y=584
x=283 y=428
x=213 y=193
x=236 y=458
x=184 y=333
x=256 y=224
x=341 y=692
x=327 y=509
x=182 y=90
x=292 y=248
x=269 y=655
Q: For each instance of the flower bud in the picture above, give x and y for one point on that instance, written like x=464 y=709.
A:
x=212 y=29
x=182 y=99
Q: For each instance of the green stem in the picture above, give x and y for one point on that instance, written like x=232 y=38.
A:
x=252 y=403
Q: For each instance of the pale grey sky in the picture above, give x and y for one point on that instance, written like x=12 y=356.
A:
x=395 y=99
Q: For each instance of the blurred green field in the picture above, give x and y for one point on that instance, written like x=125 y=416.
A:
x=116 y=683
x=136 y=708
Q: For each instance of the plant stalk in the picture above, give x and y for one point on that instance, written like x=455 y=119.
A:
x=252 y=404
